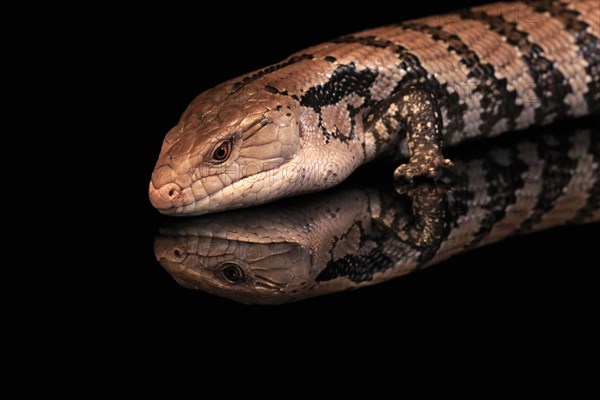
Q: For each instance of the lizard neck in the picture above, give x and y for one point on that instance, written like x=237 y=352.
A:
x=329 y=152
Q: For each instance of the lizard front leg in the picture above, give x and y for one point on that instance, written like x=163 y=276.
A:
x=423 y=122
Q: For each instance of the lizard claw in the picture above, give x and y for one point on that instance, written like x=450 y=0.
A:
x=423 y=164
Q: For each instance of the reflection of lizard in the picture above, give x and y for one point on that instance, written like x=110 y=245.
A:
x=355 y=237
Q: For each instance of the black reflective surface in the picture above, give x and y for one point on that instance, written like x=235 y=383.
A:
x=546 y=274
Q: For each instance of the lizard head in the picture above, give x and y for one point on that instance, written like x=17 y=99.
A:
x=230 y=149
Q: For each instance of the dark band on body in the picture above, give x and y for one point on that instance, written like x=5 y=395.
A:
x=551 y=87
x=556 y=175
x=497 y=102
x=593 y=201
x=502 y=183
x=589 y=45
x=344 y=81
x=358 y=267
x=418 y=77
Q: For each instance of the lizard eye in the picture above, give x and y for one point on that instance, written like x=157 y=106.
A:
x=232 y=273
x=222 y=151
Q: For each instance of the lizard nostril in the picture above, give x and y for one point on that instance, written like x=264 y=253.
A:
x=173 y=193
x=168 y=196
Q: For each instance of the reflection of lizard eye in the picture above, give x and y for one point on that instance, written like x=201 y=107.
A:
x=232 y=273
x=222 y=151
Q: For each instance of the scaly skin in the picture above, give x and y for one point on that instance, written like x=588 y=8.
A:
x=404 y=91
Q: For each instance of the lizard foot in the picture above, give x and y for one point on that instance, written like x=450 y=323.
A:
x=426 y=164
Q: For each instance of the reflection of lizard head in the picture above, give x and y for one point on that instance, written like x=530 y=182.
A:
x=244 y=268
x=305 y=248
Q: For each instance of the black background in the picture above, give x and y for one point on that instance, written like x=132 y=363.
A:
x=167 y=57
